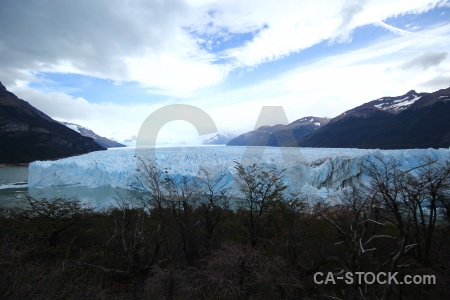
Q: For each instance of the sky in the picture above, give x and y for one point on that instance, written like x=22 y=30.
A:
x=110 y=64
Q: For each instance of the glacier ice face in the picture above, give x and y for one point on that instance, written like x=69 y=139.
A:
x=316 y=172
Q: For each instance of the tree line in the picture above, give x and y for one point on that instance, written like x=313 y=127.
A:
x=188 y=238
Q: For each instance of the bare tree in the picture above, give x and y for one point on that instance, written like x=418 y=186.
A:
x=428 y=191
x=244 y=272
x=213 y=204
x=58 y=215
x=406 y=200
x=193 y=206
x=357 y=222
x=409 y=200
x=140 y=245
x=261 y=187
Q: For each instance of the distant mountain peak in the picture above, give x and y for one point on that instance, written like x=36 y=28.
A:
x=102 y=141
x=76 y=127
x=310 y=120
x=429 y=99
x=393 y=105
x=413 y=120
x=396 y=104
x=218 y=139
x=280 y=135
x=269 y=129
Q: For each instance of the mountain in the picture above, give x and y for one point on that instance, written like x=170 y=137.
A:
x=413 y=120
x=257 y=137
x=27 y=134
x=218 y=139
x=128 y=139
x=102 y=141
x=292 y=134
x=393 y=105
x=280 y=135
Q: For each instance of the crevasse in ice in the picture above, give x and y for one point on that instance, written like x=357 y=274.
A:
x=316 y=172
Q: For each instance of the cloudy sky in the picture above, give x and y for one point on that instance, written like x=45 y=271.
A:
x=108 y=64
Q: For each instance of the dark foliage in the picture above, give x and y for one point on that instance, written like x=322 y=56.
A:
x=179 y=239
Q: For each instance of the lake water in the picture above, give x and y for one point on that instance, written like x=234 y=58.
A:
x=13 y=186
x=317 y=173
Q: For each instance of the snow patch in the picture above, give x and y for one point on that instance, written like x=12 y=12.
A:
x=73 y=127
x=379 y=105
x=399 y=104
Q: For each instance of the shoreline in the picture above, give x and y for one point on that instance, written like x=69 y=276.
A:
x=14 y=165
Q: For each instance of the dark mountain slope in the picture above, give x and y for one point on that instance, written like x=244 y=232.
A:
x=27 y=134
x=257 y=137
x=280 y=135
x=292 y=134
x=423 y=121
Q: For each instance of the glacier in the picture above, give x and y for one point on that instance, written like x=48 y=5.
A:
x=317 y=173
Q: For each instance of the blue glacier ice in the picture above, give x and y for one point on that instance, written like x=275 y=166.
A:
x=316 y=172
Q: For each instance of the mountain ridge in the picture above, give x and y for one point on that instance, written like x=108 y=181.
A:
x=27 y=134
x=102 y=141
x=412 y=120
x=218 y=139
x=279 y=135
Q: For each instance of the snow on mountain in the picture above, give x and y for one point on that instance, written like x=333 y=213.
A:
x=218 y=139
x=102 y=141
x=126 y=138
x=27 y=134
x=316 y=172
x=280 y=135
x=72 y=126
x=395 y=104
x=412 y=120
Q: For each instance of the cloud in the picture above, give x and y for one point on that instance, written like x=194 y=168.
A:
x=156 y=43
x=323 y=88
x=349 y=10
x=297 y=25
x=161 y=46
x=104 y=39
x=426 y=60
x=57 y=105
x=328 y=87
x=117 y=121
x=437 y=82
x=172 y=76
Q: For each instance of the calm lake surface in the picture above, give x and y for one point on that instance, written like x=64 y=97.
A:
x=13 y=186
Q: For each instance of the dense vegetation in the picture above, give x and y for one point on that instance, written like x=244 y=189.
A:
x=179 y=238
